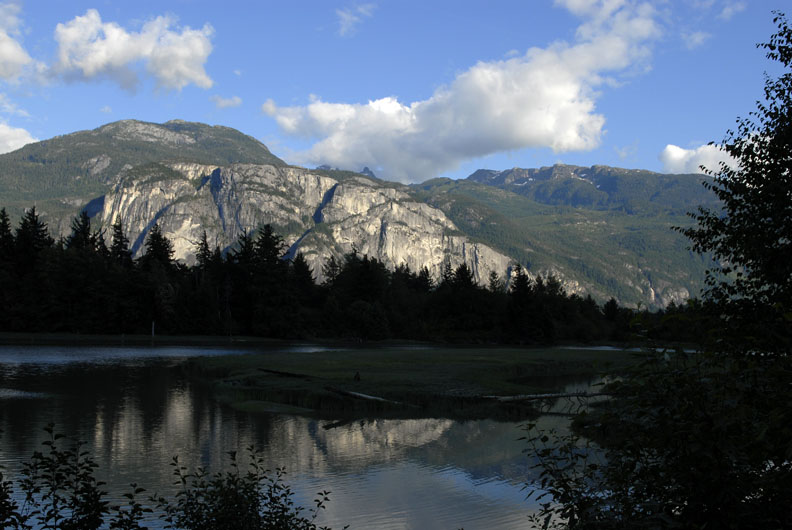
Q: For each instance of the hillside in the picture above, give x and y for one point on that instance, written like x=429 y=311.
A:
x=629 y=253
x=604 y=231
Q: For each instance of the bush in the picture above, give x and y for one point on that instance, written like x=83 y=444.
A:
x=61 y=493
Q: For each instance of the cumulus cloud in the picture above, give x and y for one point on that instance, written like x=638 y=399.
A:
x=542 y=98
x=12 y=138
x=695 y=39
x=224 y=103
x=677 y=159
x=89 y=48
x=13 y=57
x=349 y=18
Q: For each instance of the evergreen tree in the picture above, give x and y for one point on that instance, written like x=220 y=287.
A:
x=6 y=236
x=463 y=277
x=203 y=254
x=301 y=278
x=81 y=236
x=494 y=283
x=244 y=254
x=159 y=249
x=423 y=282
x=31 y=238
x=269 y=248
x=119 y=246
x=447 y=276
x=520 y=288
x=330 y=270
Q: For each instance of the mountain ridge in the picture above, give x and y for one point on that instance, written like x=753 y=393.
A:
x=604 y=231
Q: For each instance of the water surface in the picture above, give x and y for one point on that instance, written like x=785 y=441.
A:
x=135 y=410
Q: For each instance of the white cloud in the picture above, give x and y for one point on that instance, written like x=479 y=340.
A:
x=543 y=98
x=89 y=49
x=9 y=107
x=13 y=57
x=676 y=159
x=12 y=138
x=106 y=109
x=731 y=9
x=223 y=103
x=695 y=39
x=349 y=18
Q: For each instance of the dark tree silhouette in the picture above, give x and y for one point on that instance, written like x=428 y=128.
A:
x=159 y=249
x=119 y=246
x=6 y=236
x=81 y=236
x=31 y=238
x=751 y=238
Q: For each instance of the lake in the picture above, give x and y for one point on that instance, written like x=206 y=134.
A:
x=135 y=409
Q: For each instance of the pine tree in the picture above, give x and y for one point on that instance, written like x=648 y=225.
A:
x=119 y=246
x=159 y=249
x=203 y=254
x=330 y=270
x=81 y=237
x=463 y=277
x=494 y=283
x=6 y=236
x=424 y=282
x=245 y=252
x=447 y=276
x=31 y=238
x=268 y=247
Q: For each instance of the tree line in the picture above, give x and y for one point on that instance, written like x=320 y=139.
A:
x=80 y=284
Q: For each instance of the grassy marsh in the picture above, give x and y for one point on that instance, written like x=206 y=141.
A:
x=410 y=380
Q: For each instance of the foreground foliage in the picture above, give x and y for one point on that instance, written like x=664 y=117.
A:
x=704 y=440
x=688 y=441
x=60 y=492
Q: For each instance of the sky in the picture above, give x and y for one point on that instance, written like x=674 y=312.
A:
x=411 y=89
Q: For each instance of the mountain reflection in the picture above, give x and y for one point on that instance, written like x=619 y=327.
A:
x=135 y=416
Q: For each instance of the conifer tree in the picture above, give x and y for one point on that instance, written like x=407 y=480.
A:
x=31 y=238
x=330 y=270
x=119 y=245
x=6 y=236
x=268 y=247
x=424 y=282
x=494 y=283
x=203 y=254
x=159 y=249
x=245 y=253
x=463 y=277
x=81 y=236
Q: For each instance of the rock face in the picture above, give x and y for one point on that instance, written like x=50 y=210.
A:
x=602 y=231
x=318 y=214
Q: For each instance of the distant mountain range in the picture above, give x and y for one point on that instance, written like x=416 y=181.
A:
x=604 y=231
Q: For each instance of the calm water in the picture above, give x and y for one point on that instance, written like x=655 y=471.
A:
x=136 y=411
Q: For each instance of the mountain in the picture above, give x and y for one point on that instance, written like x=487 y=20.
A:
x=622 y=245
x=602 y=188
x=603 y=231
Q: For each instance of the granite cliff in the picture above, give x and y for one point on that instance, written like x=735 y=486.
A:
x=602 y=231
x=319 y=213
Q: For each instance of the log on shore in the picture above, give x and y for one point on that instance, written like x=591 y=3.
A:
x=358 y=395
x=529 y=397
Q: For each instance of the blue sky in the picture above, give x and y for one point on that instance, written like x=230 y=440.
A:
x=413 y=90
